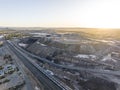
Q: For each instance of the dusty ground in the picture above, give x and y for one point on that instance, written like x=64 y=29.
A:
x=13 y=79
x=31 y=82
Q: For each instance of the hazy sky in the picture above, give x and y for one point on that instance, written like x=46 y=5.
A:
x=60 y=13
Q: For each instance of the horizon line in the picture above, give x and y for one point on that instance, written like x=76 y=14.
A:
x=74 y=27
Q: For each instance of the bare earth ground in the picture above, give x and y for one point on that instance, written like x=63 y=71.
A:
x=31 y=82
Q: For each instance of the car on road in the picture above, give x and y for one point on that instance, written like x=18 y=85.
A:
x=49 y=72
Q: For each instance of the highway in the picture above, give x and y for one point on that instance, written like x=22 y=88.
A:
x=47 y=83
x=109 y=75
x=100 y=71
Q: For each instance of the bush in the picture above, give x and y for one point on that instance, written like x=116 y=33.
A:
x=1 y=67
x=6 y=80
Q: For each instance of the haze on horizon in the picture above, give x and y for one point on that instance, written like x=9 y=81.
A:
x=60 y=13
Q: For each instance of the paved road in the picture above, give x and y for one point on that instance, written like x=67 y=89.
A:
x=28 y=83
x=106 y=74
x=44 y=80
x=117 y=73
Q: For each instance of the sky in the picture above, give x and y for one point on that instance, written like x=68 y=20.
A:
x=60 y=13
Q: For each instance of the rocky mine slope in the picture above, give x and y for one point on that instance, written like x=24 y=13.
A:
x=41 y=46
x=67 y=54
x=83 y=54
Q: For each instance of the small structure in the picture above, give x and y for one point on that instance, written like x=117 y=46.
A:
x=9 y=68
x=2 y=74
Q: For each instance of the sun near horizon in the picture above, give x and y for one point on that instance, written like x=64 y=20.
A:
x=60 y=13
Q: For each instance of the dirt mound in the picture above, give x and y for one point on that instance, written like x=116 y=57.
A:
x=98 y=84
